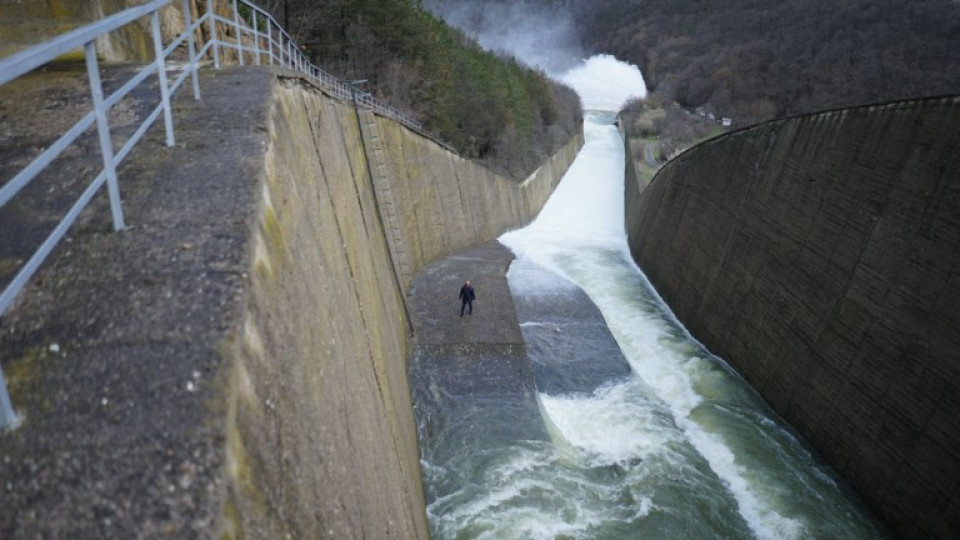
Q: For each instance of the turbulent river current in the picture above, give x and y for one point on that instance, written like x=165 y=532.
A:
x=673 y=445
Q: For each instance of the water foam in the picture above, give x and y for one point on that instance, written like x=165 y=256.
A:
x=614 y=425
x=591 y=181
x=605 y=83
x=682 y=448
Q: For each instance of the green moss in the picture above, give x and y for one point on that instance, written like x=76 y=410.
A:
x=262 y=269
x=272 y=231
x=231 y=521
x=71 y=57
x=21 y=371
x=9 y=265
x=237 y=456
x=246 y=493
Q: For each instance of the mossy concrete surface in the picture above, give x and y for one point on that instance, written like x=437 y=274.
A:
x=819 y=255
x=24 y=23
x=326 y=444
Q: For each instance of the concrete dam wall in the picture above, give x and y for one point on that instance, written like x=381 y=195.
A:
x=234 y=364
x=820 y=256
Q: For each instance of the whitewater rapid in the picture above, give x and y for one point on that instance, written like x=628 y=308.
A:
x=679 y=448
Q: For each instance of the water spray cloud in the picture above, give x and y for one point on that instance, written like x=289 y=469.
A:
x=537 y=35
x=605 y=83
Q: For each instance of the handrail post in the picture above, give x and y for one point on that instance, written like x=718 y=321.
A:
x=269 y=40
x=162 y=75
x=103 y=128
x=236 y=24
x=8 y=418
x=213 y=34
x=192 y=49
x=256 y=39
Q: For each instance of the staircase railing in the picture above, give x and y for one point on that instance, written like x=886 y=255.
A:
x=256 y=35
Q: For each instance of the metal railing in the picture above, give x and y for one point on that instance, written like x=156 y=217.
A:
x=250 y=38
x=262 y=38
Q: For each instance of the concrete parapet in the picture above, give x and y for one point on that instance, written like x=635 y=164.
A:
x=819 y=256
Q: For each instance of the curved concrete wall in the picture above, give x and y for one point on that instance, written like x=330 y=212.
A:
x=325 y=332
x=820 y=255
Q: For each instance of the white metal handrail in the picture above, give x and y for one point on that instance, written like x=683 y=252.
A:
x=275 y=43
x=26 y=61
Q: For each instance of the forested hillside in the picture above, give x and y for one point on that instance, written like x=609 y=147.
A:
x=757 y=58
x=753 y=59
x=488 y=107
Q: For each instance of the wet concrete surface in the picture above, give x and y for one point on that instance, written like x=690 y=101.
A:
x=472 y=366
x=435 y=305
x=570 y=347
x=538 y=334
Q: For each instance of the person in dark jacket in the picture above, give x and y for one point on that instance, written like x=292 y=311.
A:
x=467 y=296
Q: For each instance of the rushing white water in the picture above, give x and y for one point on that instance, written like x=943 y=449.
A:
x=681 y=408
x=605 y=83
x=664 y=441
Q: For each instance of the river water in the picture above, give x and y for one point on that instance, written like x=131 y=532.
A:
x=674 y=445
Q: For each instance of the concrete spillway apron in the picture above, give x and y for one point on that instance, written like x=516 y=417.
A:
x=474 y=358
x=477 y=380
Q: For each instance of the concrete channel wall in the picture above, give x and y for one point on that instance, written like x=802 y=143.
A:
x=325 y=302
x=234 y=365
x=820 y=256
